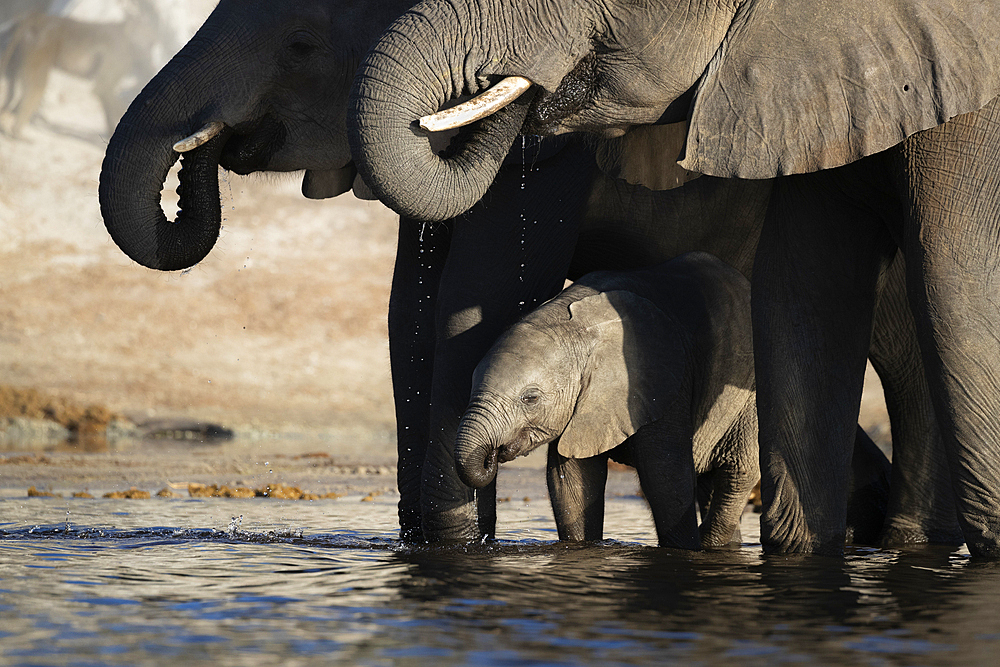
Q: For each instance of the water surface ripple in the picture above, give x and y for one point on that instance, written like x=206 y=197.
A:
x=190 y=581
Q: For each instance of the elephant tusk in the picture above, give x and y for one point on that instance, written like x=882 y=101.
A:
x=200 y=137
x=480 y=106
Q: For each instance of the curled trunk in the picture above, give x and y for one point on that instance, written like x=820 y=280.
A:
x=179 y=101
x=132 y=176
x=393 y=89
x=476 y=454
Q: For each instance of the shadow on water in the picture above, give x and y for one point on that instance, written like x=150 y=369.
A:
x=113 y=591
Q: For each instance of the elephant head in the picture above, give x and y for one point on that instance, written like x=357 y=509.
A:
x=769 y=88
x=573 y=369
x=261 y=86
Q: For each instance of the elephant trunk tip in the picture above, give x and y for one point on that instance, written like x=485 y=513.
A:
x=479 y=469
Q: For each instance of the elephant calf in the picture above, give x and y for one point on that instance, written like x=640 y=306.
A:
x=654 y=368
x=654 y=365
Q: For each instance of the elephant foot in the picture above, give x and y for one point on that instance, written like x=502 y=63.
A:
x=825 y=547
x=411 y=535
x=734 y=543
x=457 y=525
x=982 y=537
x=900 y=532
x=785 y=528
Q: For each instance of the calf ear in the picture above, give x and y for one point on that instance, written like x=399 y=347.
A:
x=798 y=86
x=646 y=155
x=627 y=375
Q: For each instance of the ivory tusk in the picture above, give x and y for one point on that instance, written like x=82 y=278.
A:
x=200 y=137
x=480 y=106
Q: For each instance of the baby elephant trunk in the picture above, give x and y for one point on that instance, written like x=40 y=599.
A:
x=475 y=453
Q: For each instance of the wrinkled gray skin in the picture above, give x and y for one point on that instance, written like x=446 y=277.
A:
x=654 y=368
x=277 y=74
x=657 y=363
x=867 y=94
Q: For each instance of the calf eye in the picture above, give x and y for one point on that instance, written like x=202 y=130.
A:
x=531 y=396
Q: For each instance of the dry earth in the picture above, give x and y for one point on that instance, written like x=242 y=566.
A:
x=282 y=329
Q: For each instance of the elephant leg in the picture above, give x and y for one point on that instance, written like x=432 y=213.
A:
x=730 y=491
x=576 y=491
x=953 y=277
x=921 y=501
x=661 y=452
x=420 y=258
x=703 y=494
x=732 y=482
x=486 y=509
x=34 y=76
x=509 y=254
x=813 y=294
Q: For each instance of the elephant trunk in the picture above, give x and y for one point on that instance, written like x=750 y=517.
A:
x=409 y=74
x=476 y=450
x=140 y=154
x=130 y=200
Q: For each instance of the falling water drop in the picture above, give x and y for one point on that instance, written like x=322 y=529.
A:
x=524 y=146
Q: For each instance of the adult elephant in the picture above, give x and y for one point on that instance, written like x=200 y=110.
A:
x=264 y=85
x=880 y=125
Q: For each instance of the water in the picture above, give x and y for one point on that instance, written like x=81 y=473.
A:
x=181 y=582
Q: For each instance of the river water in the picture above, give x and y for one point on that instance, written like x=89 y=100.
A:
x=260 y=581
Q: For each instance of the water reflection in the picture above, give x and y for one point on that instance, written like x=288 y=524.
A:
x=109 y=586
x=706 y=606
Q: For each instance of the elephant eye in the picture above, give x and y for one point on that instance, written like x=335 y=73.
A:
x=300 y=46
x=301 y=50
x=531 y=397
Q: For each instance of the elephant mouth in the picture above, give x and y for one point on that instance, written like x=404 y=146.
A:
x=573 y=95
x=523 y=445
x=506 y=453
x=546 y=112
x=251 y=145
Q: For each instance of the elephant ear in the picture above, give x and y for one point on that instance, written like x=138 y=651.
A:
x=646 y=155
x=799 y=85
x=627 y=375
